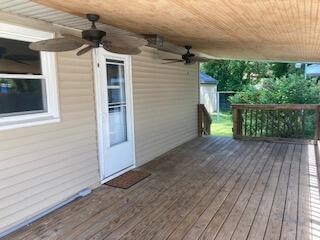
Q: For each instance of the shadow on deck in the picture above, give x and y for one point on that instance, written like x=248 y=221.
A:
x=209 y=188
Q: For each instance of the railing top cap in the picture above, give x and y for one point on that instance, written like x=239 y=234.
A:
x=275 y=106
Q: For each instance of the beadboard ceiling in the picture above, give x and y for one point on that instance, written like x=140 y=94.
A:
x=284 y=30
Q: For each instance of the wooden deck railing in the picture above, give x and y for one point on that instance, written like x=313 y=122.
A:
x=276 y=121
x=204 y=121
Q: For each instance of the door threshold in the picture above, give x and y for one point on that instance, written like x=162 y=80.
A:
x=117 y=174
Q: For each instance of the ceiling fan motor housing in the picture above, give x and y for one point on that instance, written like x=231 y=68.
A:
x=187 y=57
x=93 y=35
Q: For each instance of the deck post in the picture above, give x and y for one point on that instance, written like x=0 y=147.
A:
x=199 y=120
x=204 y=121
x=236 y=116
x=317 y=123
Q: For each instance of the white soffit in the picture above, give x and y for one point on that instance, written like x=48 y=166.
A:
x=27 y=8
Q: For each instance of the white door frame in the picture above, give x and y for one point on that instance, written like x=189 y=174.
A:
x=99 y=110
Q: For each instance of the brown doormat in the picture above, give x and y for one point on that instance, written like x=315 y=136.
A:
x=128 y=179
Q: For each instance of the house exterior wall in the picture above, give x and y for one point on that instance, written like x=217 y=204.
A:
x=208 y=94
x=43 y=165
x=165 y=98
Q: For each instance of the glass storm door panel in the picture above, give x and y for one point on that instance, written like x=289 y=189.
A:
x=115 y=87
x=116 y=102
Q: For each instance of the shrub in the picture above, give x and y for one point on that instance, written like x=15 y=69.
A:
x=292 y=89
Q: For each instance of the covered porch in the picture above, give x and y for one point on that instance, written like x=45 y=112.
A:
x=208 y=188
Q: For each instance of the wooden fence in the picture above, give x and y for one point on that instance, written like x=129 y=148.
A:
x=276 y=121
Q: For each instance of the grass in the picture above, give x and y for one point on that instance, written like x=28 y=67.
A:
x=222 y=124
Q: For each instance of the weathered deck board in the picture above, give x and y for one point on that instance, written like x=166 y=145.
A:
x=209 y=188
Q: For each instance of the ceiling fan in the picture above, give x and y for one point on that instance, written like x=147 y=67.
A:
x=188 y=58
x=92 y=38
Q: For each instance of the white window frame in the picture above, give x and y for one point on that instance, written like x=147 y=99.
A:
x=49 y=76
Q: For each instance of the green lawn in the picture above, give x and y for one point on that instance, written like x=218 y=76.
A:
x=222 y=124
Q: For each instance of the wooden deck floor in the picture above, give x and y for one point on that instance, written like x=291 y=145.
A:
x=209 y=188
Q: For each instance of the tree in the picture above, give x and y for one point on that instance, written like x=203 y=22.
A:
x=291 y=89
x=287 y=89
x=233 y=75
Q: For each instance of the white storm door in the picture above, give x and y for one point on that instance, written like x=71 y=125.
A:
x=116 y=123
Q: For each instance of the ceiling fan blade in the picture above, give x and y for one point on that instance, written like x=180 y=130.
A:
x=200 y=59
x=55 y=45
x=190 y=63
x=121 y=40
x=122 y=50
x=171 y=59
x=174 y=61
x=84 y=50
x=78 y=39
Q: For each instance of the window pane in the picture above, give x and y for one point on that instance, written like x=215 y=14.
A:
x=115 y=75
x=19 y=96
x=17 y=58
x=118 y=125
x=116 y=96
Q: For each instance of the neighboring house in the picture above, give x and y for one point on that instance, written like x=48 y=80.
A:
x=312 y=70
x=208 y=92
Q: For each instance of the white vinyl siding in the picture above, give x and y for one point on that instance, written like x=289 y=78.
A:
x=165 y=98
x=43 y=165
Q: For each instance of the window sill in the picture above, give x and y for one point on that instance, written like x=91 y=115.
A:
x=38 y=120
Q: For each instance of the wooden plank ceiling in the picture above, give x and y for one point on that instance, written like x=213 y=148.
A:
x=285 y=30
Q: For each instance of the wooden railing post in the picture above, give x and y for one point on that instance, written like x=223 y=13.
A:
x=237 y=122
x=204 y=121
x=317 y=123
x=200 y=121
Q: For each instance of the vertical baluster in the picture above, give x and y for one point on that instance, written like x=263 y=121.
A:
x=267 y=123
x=286 y=120
x=261 y=121
x=245 y=122
x=256 y=123
x=303 y=123
x=317 y=123
x=292 y=123
x=250 y=122
x=240 y=119
x=278 y=125
x=296 y=123
x=272 y=123
x=289 y=123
